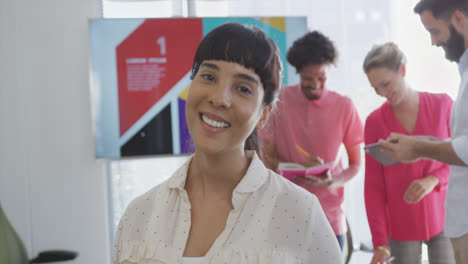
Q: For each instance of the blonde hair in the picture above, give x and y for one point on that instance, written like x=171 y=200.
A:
x=386 y=55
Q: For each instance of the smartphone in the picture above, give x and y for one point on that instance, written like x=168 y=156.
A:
x=375 y=151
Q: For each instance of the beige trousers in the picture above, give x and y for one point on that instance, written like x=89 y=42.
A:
x=460 y=249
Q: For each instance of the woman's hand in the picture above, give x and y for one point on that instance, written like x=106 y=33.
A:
x=381 y=254
x=420 y=188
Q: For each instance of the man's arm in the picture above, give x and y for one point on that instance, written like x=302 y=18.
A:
x=410 y=148
x=354 y=157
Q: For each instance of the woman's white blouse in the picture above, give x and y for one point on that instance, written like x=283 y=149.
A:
x=186 y=260
x=273 y=221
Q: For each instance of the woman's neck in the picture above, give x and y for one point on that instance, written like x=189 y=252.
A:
x=410 y=99
x=217 y=174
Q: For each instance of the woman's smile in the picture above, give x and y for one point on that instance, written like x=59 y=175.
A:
x=214 y=121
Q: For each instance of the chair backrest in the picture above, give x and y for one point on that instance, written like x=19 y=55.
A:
x=11 y=247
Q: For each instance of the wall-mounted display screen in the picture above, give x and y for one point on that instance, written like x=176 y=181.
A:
x=140 y=74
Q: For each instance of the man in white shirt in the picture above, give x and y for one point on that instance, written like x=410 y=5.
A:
x=447 y=23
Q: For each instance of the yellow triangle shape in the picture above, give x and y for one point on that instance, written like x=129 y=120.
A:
x=276 y=22
x=183 y=95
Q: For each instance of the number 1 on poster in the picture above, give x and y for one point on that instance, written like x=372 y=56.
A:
x=162 y=44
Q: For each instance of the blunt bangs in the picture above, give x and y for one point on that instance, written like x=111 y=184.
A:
x=244 y=45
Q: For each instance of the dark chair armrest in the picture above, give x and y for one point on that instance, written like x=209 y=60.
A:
x=366 y=246
x=54 y=255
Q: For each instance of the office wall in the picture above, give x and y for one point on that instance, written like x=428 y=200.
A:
x=51 y=187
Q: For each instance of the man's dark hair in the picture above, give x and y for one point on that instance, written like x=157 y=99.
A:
x=312 y=48
x=441 y=9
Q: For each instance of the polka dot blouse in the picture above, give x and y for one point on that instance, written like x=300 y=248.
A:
x=272 y=221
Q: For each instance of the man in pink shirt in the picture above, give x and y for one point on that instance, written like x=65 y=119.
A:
x=312 y=118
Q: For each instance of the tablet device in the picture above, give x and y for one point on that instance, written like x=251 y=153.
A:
x=375 y=151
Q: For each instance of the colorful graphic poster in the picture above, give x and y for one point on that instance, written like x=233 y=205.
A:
x=140 y=71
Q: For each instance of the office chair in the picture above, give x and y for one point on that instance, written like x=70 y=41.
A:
x=12 y=250
x=350 y=247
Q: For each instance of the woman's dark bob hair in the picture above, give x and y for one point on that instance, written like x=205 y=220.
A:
x=250 y=47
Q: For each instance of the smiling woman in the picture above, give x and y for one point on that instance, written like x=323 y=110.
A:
x=224 y=105
x=256 y=52
x=405 y=202
x=223 y=205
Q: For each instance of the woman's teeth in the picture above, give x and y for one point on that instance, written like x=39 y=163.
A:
x=213 y=123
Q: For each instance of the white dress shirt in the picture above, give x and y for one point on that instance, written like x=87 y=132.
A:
x=457 y=195
x=272 y=221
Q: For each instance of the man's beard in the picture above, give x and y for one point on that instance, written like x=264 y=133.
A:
x=306 y=91
x=455 y=45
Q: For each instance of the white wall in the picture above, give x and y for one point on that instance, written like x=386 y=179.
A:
x=51 y=187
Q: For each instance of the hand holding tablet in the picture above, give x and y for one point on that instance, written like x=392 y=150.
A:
x=375 y=151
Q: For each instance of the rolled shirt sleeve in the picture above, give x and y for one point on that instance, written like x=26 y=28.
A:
x=460 y=146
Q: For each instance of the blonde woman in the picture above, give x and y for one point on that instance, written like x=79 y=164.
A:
x=405 y=202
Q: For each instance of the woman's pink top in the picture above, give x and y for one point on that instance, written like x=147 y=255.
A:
x=387 y=212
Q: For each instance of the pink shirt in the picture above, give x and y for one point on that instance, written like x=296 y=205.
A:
x=387 y=212
x=319 y=127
